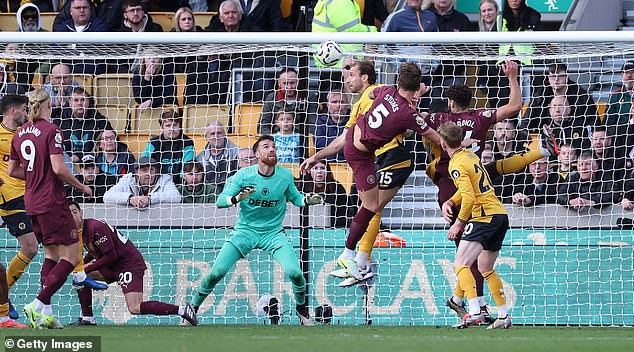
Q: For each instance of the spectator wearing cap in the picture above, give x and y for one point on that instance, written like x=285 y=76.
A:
x=146 y=186
x=113 y=156
x=194 y=189
x=91 y=176
x=171 y=148
x=620 y=100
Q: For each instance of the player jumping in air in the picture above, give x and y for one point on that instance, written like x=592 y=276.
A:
x=483 y=222
x=262 y=191
x=37 y=157
x=116 y=259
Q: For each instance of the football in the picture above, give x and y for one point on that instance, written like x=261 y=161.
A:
x=329 y=53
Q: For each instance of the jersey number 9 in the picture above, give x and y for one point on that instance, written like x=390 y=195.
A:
x=27 y=148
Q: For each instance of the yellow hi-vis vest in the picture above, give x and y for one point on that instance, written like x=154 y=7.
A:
x=518 y=49
x=339 y=16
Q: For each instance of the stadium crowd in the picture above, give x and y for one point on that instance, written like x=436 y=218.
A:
x=593 y=169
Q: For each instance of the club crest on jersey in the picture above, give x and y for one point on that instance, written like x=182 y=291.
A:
x=371 y=179
x=73 y=234
x=487 y=113
x=58 y=138
x=455 y=174
x=22 y=226
x=265 y=192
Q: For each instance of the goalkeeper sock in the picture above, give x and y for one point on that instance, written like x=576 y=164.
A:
x=497 y=291
x=358 y=227
x=367 y=241
x=158 y=308
x=16 y=268
x=85 y=301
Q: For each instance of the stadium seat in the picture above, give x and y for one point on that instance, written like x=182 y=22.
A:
x=136 y=142
x=113 y=89
x=601 y=109
x=146 y=121
x=246 y=119
x=342 y=173
x=199 y=142
x=242 y=141
x=117 y=115
x=8 y=21
x=196 y=117
x=181 y=80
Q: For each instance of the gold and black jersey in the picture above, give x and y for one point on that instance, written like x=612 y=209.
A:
x=13 y=188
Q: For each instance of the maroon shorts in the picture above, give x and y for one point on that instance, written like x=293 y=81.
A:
x=56 y=227
x=362 y=164
x=129 y=280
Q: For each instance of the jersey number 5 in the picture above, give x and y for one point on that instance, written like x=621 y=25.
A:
x=27 y=148
x=375 y=120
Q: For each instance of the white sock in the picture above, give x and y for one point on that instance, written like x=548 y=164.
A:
x=47 y=310
x=474 y=306
x=4 y=319
x=79 y=276
x=38 y=306
x=347 y=254
x=90 y=319
x=181 y=310
x=482 y=301
x=457 y=300
x=503 y=311
x=362 y=259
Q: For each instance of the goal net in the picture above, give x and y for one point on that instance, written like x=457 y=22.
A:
x=567 y=258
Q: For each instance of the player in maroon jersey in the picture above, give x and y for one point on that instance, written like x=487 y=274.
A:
x=391 y=114
x=116 y=259
x=37 y=157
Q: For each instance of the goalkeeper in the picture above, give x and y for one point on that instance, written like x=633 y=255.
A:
x=262 y=191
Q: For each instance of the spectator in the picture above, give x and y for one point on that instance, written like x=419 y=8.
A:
x=230 y=18
x=624 y=138
x=6 y=85
x=487 y=154
x=332 y=123
x=109 y=11
x=220 y=156
x=447 y=17
x=246 y=158
x=171 y=148
x=288 y=97
x=90 y=175
x=567 y=128
x=566 y=163
x=28 y=17
x=620 y=101
x=79 y=124
x=411 y=18
x=540 y=187
x=184 y=21
x=60 y=86
x=286 y=140
x=194 y=189
x=80 y=19
x=144 y=187
x=153 y=83
x=507 y=142
x=265 y=15
x=21 y=70
x=609 y=159
x=374 y=13
x=113 y=157
x=487 y=22
x=489 y=11
x=627 y=200
x=587 y=188
x=321 y=181
x=580 y=103
x=136 y=20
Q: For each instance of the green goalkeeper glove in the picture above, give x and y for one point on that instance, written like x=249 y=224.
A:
x=243 y=194
x=313 y=199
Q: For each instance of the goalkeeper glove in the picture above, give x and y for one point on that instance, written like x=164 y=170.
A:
x=243 y=194
x=313 y=199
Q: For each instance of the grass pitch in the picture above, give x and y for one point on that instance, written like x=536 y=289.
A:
x=264 y=338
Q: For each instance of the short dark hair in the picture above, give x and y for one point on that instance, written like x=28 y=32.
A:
x=366 y=68
x=438 y=105
x=82 y=91
x=286 y=69
x=171 y=114
x=451 y=134
x=600 y=128
x=461 y=94
x=191 y=165
x=264 y=137
x=12 y=101
x=409 y=76
x=131 y=3
x=557 y=67
x=73 y=202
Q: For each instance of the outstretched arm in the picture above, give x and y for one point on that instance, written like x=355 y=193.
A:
x=331 y=149
x=514 y=105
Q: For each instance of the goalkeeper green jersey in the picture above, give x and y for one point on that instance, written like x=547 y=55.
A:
x=265 y=208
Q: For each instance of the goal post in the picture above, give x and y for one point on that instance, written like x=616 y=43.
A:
x=560 y=266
